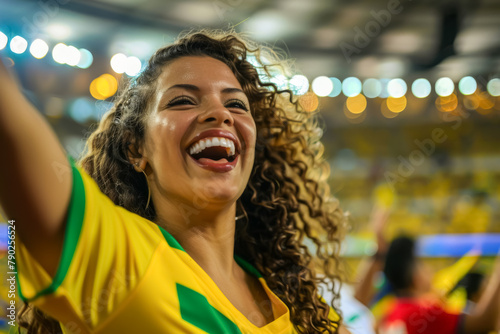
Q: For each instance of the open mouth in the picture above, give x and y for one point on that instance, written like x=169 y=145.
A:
x=213 y=150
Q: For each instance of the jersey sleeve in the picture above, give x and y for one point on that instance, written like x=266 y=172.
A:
x=106 y=251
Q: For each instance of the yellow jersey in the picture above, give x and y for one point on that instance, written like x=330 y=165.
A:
x=121 y=273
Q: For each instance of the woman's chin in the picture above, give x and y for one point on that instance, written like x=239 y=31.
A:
x=217 y=193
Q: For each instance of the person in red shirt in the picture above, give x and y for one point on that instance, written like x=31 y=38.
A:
x=416 y=312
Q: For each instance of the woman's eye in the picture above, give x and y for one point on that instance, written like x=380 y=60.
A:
x=237 y=104
x=180 y=102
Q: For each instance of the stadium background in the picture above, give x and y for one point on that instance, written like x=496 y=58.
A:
x=409 y=93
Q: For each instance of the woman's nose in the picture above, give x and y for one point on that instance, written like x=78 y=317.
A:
x=216 y=112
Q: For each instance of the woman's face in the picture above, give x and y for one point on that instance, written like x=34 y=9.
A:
x=200 y=134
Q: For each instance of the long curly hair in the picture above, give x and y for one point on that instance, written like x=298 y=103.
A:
x=287 y=200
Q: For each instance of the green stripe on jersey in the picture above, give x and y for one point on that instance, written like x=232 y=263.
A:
x=196 y=310
x=74 y=223
x=170 y=239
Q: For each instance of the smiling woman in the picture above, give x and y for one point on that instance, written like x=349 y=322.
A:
x=189 y=210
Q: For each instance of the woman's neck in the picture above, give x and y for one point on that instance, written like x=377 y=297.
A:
x=206 y=235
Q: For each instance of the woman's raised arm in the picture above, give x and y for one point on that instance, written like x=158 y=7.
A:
x=486 y=314
x=35 y=176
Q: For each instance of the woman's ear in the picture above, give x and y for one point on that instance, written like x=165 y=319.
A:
x=136 y=157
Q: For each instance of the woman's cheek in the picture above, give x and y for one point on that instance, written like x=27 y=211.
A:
x=249 y=132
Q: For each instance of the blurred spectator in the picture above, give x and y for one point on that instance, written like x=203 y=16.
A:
x=415 y=312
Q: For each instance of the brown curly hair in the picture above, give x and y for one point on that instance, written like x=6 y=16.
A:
x=287 y=198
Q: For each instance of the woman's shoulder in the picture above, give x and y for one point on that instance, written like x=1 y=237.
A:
x=94 y=210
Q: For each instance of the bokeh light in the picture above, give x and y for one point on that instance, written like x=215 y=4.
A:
x=386 y=112
x=119 y=63
x=86 y=59
x=133 y=66
x=485 y=101
x=356 y=104
x=39 y=49
x=18 y=45
x=322 y=86
x=103 y=87
x=396 y=104
x=372 y=88
x=280 y=81
x=447 y=103
x=3 y=40
x=336 y=88
x=81 y=110
x=467 y=85
x=299 y=84
x=107 y=85
x=72 y=56
x=384 y=92
x=59 y=53
x=309 y=101
x=351 y=86
x=421 y=88
x=493 y=87
x=471 y=102
x=444 y=86
x=397 y=88
x=94 y=92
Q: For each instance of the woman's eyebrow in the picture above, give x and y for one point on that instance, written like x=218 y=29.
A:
x=196 y=88
x=185 y=86
x=232 y=90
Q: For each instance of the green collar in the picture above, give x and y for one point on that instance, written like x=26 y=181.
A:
x=241 y=262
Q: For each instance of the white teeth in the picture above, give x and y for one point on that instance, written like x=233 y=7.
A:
x=213 y=141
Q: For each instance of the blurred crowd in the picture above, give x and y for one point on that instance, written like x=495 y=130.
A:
x=395 y=290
